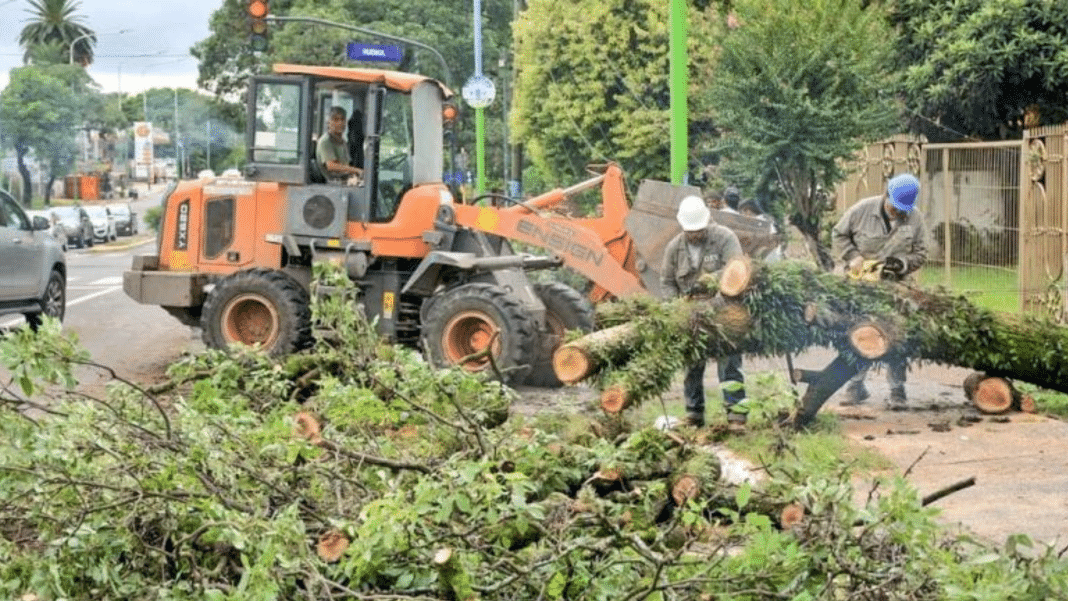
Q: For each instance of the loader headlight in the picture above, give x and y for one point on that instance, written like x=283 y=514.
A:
x=445 y=197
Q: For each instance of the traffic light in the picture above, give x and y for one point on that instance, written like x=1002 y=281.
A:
x=257 y=24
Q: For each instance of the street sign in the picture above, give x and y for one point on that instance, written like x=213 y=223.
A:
x=479 y=91
x=375 y=52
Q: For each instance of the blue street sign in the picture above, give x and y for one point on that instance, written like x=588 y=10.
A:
x=375 y=52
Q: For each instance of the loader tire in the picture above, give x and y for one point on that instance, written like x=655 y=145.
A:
x=258 y=306
x=565 y=309
x=461 y=322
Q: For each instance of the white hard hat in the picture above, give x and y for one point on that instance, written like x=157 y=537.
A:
x=693 y=214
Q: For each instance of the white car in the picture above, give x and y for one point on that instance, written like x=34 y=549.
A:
x=125 y=218
x=103 y=223
x=57 y=230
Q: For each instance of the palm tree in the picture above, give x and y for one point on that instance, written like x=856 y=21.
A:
x=55 y=21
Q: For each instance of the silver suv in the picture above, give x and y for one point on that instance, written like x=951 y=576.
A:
x=33 y=268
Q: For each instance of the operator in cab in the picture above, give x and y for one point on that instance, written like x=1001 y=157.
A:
x=332 y=150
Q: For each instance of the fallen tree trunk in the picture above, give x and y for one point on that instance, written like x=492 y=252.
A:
x=792 y=306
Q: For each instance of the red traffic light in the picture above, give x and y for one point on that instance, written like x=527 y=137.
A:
x=257 y=9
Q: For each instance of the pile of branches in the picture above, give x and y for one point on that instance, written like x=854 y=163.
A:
x=355 y=471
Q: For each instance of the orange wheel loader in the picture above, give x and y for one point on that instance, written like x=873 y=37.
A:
x=234 y=255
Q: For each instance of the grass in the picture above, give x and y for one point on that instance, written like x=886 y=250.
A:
x=994 y=288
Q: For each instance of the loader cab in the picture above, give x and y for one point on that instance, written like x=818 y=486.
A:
x=401 y=130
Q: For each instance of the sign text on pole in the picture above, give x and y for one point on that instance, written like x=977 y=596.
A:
x=375 y=52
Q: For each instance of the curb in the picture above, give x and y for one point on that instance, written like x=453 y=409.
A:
x=99 y=248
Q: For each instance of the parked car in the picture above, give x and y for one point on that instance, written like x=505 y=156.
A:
x=56 y=228
x=103 y=223
x=76 y=224
x=33 y=268
x=125 y=218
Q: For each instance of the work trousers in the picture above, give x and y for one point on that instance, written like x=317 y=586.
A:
x=729 y=368
x=895 y=374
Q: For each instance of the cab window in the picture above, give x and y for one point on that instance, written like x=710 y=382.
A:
x=219 y=221
x=277 y=125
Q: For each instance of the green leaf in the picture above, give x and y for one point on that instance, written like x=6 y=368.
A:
x=556 y=586
x=741 y=498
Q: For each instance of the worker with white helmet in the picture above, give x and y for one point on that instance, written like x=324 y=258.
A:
x=703 y=247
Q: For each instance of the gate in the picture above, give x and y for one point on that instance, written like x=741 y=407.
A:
x=1044 y=222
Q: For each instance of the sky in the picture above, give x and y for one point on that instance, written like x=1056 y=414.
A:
x=140 y=44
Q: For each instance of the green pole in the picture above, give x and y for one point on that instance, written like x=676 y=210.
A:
x=678 y=83
x=480 y=151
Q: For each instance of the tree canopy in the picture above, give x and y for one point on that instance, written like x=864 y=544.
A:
x=981 y=68
x=798 y=90
x=42 y=107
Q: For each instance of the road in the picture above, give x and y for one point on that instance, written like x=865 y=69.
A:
x=137 y=341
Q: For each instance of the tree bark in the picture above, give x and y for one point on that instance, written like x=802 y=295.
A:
x=27 y=185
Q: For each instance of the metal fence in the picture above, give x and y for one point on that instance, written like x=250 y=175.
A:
x=972 y=213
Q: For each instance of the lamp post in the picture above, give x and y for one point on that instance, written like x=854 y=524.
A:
x=88 y=34
x=75 y=43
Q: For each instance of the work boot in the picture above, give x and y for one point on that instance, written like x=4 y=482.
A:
x=694 y=420
x=898 y=400
x=737 y=415
x=856 y=393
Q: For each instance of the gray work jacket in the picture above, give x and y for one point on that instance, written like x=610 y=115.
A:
x=678 y=274
x=863 y=231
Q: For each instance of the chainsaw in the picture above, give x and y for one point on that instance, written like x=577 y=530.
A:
x=874 y=270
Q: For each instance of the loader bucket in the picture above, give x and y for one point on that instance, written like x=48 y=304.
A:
x=651 y=223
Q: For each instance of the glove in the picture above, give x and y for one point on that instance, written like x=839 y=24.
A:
x=894 y=268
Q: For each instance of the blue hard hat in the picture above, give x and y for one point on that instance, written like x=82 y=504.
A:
x=902 y=190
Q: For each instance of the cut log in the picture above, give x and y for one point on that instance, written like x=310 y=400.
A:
x=332 y=545
x=1027 y=404
x=695 y=478
x=615 y=399
x=736 y=276
x=576 y=361
x=871 y=340
x=991 y=395
x=791 y=515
